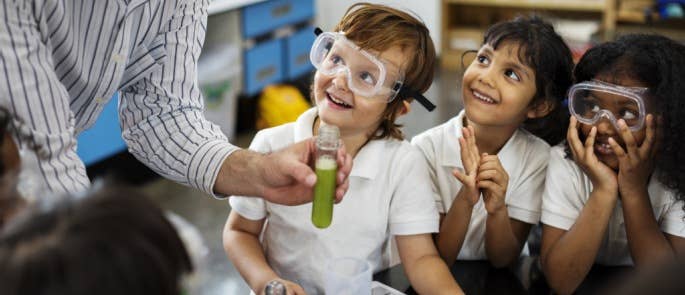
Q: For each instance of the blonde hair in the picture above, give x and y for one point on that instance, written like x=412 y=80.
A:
x=379 y=27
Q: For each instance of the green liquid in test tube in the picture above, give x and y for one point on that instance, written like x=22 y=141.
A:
x=327 y=144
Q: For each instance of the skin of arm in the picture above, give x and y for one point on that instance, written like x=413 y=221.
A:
x=504 y=238
x=648 y=244
x=426 y=271
x=567 y=256
x=455 y=224
x=241 y=244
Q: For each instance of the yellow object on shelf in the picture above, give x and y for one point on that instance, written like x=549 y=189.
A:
x=280 y=104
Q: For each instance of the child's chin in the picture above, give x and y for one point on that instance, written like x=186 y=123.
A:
x=610 y=160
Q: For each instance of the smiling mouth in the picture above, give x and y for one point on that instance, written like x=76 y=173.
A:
x=603 y=148
x=337 y=102
x=482 y=97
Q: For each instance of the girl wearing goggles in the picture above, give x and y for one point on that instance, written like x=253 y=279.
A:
x=614 y=192
x=364 y=73
x=517 y=81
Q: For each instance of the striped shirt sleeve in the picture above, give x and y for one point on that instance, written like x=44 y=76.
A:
x=162 y=114
x=32 y=91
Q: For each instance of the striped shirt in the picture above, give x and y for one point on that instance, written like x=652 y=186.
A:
x=62 y=60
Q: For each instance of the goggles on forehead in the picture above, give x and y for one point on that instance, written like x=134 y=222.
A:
x=590 y=101
x=367 y=75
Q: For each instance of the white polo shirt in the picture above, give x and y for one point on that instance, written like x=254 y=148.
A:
x=524 y=157
x=389 y=194
x=568 y=189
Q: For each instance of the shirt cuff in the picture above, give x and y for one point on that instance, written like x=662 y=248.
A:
x=556 y=220
x=415 y=227
x=674 y=227
x=205 y=165
x=524 y=215
x=247 y=207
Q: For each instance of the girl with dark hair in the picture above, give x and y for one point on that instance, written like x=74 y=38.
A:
x=512 y=93
x=614 y=192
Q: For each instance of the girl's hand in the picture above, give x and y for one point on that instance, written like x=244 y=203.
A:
x=601 y=176
x=635 y=163
x=493 y=180
x=470 y=159
x=273 y=287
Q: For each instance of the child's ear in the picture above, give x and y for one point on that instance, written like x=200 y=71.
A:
x=406 y=107
x=540 y=109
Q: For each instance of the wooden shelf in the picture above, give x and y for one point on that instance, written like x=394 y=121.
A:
x=570 y=5
x=462 y=17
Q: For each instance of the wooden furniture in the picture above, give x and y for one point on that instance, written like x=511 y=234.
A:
x=465 y=21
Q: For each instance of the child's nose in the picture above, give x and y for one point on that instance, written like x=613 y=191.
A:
x=486 y=78
x=605 y=126
x=340 y=81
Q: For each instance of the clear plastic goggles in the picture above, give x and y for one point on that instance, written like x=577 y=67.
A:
x=367 y=75
x=590 y=101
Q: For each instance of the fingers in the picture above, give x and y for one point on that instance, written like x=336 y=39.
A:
x=618 y=150
x=466 y=156
x=463 y=178
x=590 y=142
x=301 y=172
x=472 y=144
x=341 y=190
x=296 y=290
x=628 y=139
x=573 y=139
x=493 y=187
x=648 y=145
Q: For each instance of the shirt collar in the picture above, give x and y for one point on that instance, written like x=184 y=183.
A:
x=451 y=156
x=366 y=162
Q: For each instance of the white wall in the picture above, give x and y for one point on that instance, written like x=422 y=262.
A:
x=329 y=12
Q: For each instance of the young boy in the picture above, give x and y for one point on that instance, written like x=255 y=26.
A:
x=368 y=70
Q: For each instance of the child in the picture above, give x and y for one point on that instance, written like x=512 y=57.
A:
x=615 y=197
x=389 y=191
x=113 y=242
x=518 y=79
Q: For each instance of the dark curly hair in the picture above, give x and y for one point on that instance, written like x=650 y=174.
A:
x=542 y=49
x=658 y=62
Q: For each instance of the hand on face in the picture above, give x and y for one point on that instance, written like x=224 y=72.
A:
x=493 y=180
x=470 y=158
x=601 y=175
x=288 y=177
x=636 y=161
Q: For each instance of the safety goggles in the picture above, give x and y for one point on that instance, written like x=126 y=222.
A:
x=593 y=100
x=367 y=75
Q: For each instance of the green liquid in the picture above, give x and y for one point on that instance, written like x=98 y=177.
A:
x=324 y=193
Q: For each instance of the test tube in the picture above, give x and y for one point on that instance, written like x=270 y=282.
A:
x=327 y=144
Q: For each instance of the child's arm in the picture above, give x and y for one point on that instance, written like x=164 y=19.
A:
x=504 y=236
x=648 y=244
x=454 y=226
x=426 y=271
x=241 y=243
x=567 y=256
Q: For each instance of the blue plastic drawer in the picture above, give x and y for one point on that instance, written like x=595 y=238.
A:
x=297 y=53
x=263 y=17
x=103 y=139
x=263 y=66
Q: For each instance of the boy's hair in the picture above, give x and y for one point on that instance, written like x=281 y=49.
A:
x=378 y=27
x=113 y=242
x=658 y=62
x=543 y=50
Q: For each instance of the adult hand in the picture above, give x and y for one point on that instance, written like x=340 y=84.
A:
x=601 y=176
x=493 y=180
x=470 y=159
x=636 y=163
x=287 y=177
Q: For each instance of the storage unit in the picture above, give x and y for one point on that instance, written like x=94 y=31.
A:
x=263 y=66
x=297 y=53
x=464 y=21
x=262 y=18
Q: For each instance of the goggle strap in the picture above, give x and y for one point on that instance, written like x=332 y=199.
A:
x=317 y=31
x=406 y=92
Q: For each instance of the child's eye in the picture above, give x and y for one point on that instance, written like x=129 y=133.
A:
x=336 y=59
x=511 y=74
x=483 y=59
x=367 y=78
x=628 y=115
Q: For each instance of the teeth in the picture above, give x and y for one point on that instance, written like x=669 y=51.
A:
x=340 y=102
x=483 y=97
